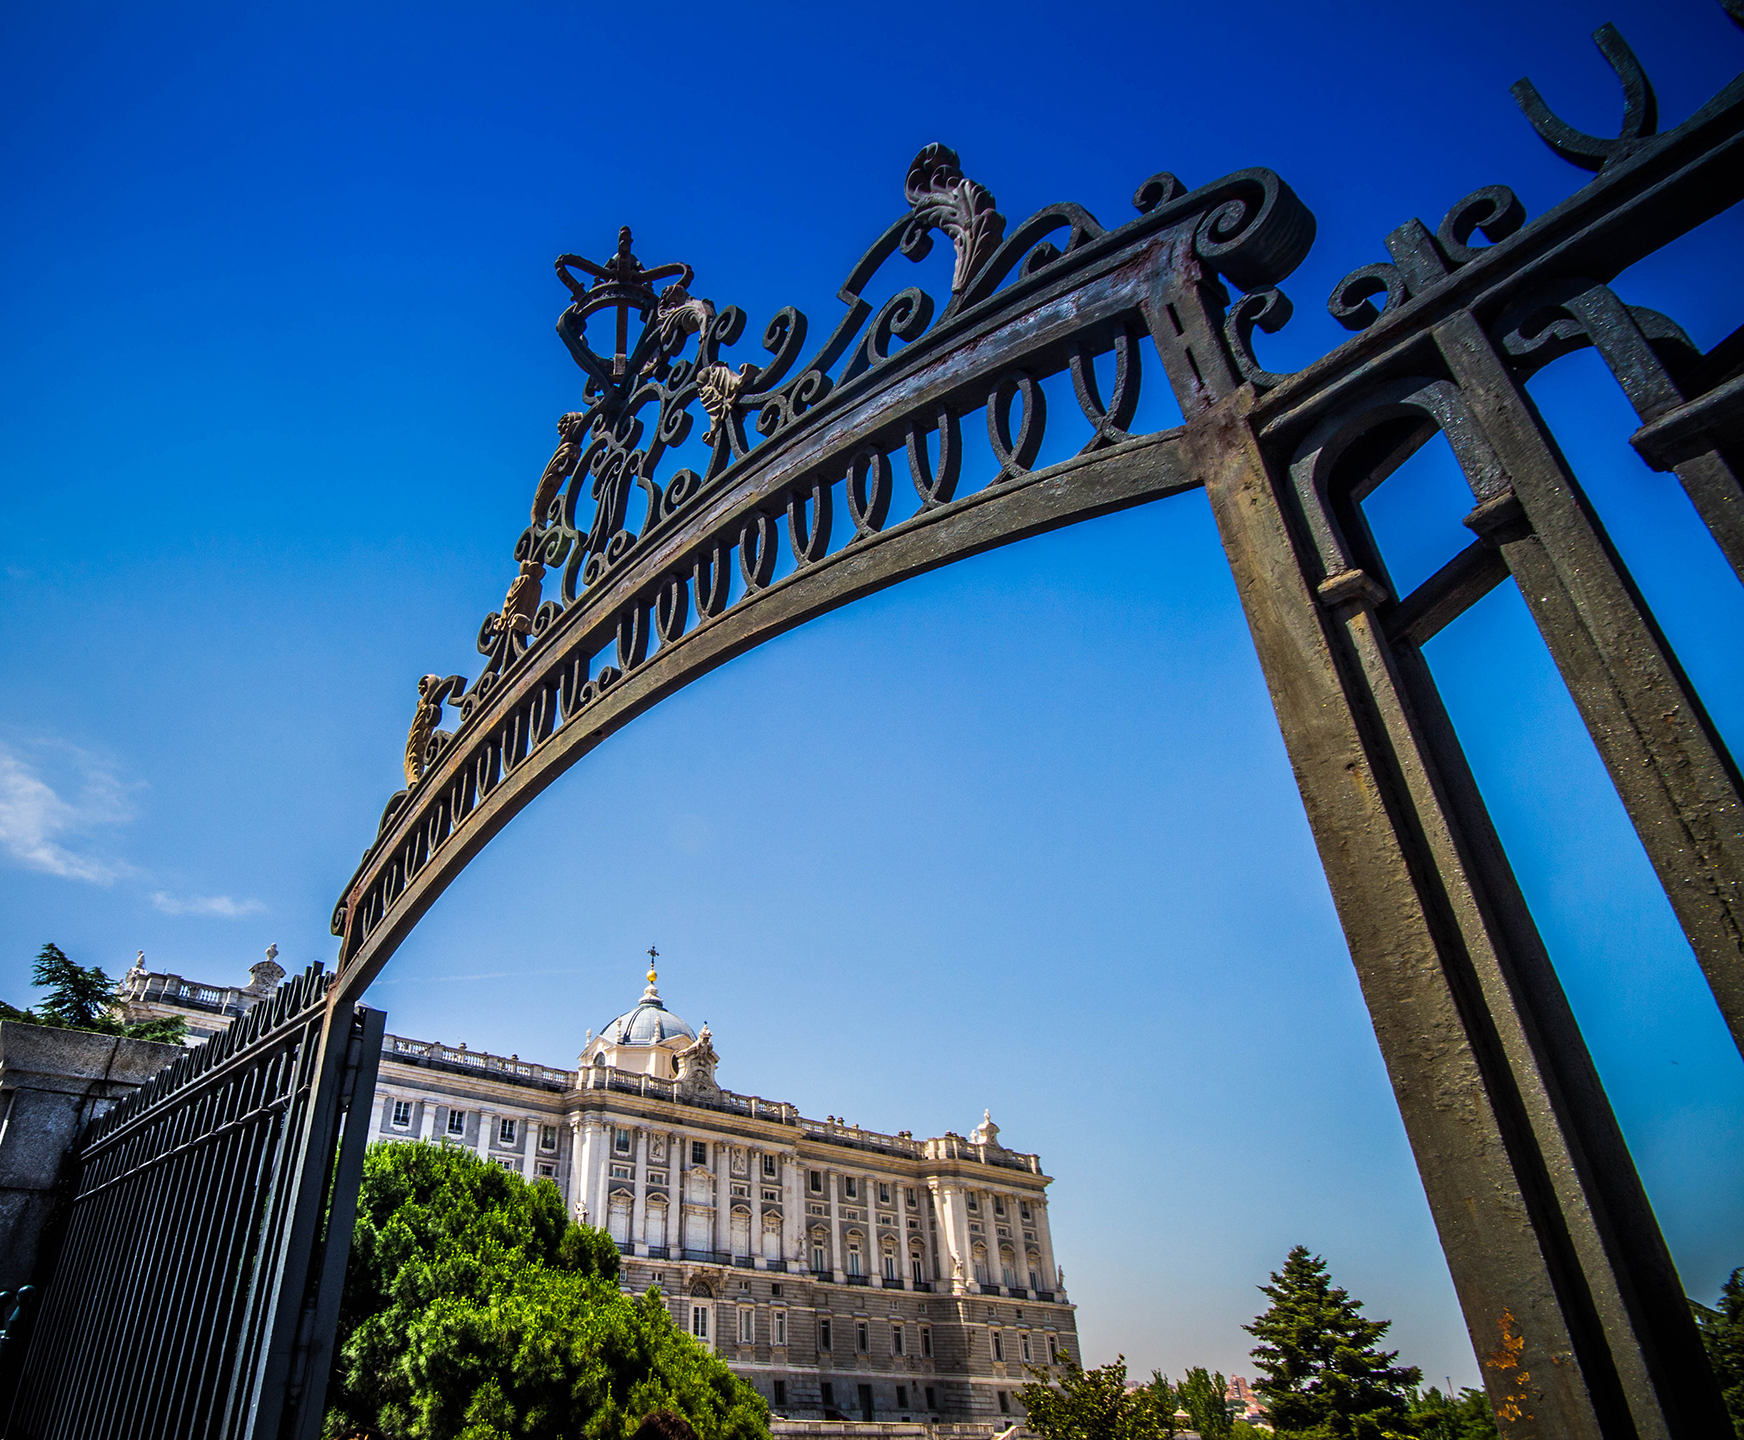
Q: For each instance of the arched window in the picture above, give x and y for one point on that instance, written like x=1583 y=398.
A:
x=856 y=1266
x=889 y=1259
x=916 y=1265
x=1035 y=1270
x=1007 y=1267
x=657 y=1223
x=980 y=1253
x=820 y=1252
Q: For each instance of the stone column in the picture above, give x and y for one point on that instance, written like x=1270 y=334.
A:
x=581 y=1201
x=639 y=1184
x=832 y=1189
x=1045 y=1242
x=793 y=1226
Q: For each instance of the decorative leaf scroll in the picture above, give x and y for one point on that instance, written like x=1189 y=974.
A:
x=943 y=198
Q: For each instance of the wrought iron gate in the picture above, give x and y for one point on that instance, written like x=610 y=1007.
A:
x=1566 y=1283
x=197 y=1287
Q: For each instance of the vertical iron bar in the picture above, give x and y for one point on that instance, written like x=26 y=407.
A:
x=1673 y=773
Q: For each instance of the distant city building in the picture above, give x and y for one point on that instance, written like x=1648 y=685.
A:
x=843 y=1272
x=1240 y=1394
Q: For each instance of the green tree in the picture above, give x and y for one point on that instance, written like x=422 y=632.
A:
x=82 y=999
x=1203 y=1395
x=1325 y=1375
x=1094 y=1405
x=1466 y=1416
x=1723 y=1336
x=474 y=1309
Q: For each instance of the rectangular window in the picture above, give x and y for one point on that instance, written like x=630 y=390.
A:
x=817 y=1182
x=747 y=1319
x=932 y=1404
x=1053 y=1350
x=621 y=1141
x=547 y=1137
x=780 y=1392
x=1004 y=1403
x=911 y=1197
x=769 y=1168
x=510 y=1166
x=1024 y=1337
x=780 y=1327
x=699 y=1321
x=883 y=1193
x=926 y=1350
x=699 y=1152
x=863 y=1337
x=656 y=1177
x=402 y=1113
x=620 y=1172
x=829 y=1394
x=1024 y=1210
x=775 y=1289
x=896 y=1344
x=457 y=1122
x=974 y=1203
x=546 y=1168
x=506 y=1131
x=744 y=1190
x=824 y=1339
x=772 y=1195
x=998 y=1204
x=1035 y=1281
x=902 y=1397
x=998 y=1345
x=850 y=1187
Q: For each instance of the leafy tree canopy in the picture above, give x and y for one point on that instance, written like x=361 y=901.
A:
x=474 y=1309
x=1723 y=1336
x=1096 y=1405
x=1466 y=1416
x=81 y=999
x=1201 y=1394
x=1325 y=1374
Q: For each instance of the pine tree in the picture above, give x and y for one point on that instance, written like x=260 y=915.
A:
x=1325 y=1374
x=81 y=999
x=77 y=998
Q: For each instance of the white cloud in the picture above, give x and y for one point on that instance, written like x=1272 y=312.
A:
x=35 y=818
x=220 y=907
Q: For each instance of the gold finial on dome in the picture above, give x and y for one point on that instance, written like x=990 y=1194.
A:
x=653 y=955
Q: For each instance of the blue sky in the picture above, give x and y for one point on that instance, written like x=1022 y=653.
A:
x=279 y=375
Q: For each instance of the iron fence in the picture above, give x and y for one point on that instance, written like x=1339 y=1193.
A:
x=205 y=1235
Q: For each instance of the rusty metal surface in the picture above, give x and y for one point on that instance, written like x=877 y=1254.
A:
x=1568 y=1289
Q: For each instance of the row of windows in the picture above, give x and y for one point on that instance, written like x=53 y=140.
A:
x=507 y=1129
x=827 y=1394
x=747 y=1334
x=623 y=1142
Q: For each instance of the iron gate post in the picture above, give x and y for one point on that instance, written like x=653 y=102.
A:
x=1567 y=1289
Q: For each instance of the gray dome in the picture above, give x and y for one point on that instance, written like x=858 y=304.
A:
x=648 y=1024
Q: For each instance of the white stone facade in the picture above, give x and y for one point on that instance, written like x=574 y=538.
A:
x=843 y=1272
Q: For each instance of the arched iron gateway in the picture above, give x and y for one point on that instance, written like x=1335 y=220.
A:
x=1568 y=1289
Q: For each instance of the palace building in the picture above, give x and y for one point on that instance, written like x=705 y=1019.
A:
x=846 y=1274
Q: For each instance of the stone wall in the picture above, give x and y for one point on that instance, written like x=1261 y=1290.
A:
x=52 y=1084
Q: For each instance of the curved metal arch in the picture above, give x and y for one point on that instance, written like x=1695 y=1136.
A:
x=652 y=611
